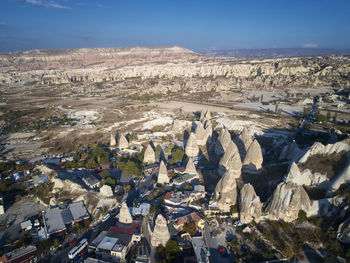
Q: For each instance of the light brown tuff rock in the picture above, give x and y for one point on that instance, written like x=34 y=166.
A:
x=250 y=205
x=286 y=201
x=253 y=160
x=163 y=177
x=160 y=235
x=191 y=148
x=230 y=161
x=226 y=191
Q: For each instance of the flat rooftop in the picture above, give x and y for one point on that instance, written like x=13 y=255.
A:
x=107 y=243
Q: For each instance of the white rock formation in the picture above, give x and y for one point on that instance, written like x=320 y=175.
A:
x=250 y=205
x=201 y=134
x=123 y=142
x=226 y=191
x=160 y=235
x=243 y=141
x=253 y=159
x=163 y=177
x=149 y=157
x=222 y=142
x=208 y=128
x=190 y=167
x=291 y=152
x=319 y=148
x=106 y=190
x=112 y=141
x=286 y=201
x=124 y=214
x=191 y=148
x=230 y=161
x=305 y=178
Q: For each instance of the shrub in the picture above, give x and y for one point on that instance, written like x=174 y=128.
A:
x=302 y=215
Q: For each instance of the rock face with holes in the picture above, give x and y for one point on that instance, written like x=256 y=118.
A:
x=230 y=161
x=124 y=215
x=243 y=141
x=226 y=191
x=160 y=235
x=123 y=142
x=253 y=159
x=249 y=205
x=149 y=156
x=222 y=142
x=191 y=148
x=112 y=141
x=163 y=177
x=286 y=201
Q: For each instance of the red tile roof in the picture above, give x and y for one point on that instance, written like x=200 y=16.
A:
x=129 y=229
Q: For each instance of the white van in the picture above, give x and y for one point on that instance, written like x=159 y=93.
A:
x=105 y=217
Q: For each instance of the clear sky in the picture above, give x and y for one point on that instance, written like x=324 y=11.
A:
x=196 y=24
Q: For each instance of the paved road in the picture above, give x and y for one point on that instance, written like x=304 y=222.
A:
x=213 y=245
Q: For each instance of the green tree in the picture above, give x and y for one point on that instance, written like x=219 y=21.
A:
x=178 y=154
x=56 y=243
x=110 y=181
x=328 y=116
x=105 y=174
x=335 y=118
x=302 y=215
x=171 y=250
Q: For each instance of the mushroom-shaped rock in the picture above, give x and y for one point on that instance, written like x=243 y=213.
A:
x=190 y=167
x=226 y=191
x=201 y=134
x=160 y=235
x=149 y=156
x=230 y=161
x=286 y=201
x=112 y=141
x=253 y=159
x=163 y=177
x=123 y=142
x=243 y=142
x=124 y=215
x=106 y=190
x=191 y=148
x=222 y=142
x=250 y=205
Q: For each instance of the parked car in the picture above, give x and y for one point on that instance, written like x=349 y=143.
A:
x=105 y=217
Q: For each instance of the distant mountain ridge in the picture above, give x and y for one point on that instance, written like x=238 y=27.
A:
x=276 y=52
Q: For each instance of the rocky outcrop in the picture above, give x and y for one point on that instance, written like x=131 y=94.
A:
x=208 y=128
x=243 y=141
x=163 y=177
x=160 y=234
x=286 y=201
x=149 y=156
x=226 y=191
x=191 y=148
x=222 y=142
x=106 y=190
x=123 y=142
x=253 y=159
x=190 y=167
x=249 y=205
x=112 y=141
x=306 y=178
x=124 y=214
x=201 y=134
x=319 y=148
x=230 y=161
x=291 y=152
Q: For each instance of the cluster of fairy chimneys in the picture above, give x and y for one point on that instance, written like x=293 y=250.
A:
x=163 y=178
x=122 y=141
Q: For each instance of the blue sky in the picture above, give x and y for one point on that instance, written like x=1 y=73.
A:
x=199 y=25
